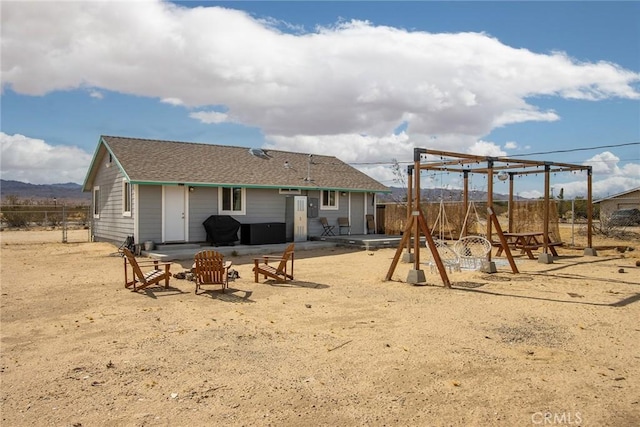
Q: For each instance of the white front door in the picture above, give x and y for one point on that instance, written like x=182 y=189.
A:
x=300 y=219
x=173 y=214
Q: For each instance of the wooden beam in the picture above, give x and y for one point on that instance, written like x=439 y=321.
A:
x=489 y=201
x=510 y=208
x=547 y=186
x=589 y=208
x=405 y=238
x=409 y=200
x=416 y=231
x=503 y=241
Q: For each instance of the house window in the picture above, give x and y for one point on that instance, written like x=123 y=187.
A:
x=289 y=191
x=232 y=200
x=126 y=198
x=96 y=202
x=329 y=200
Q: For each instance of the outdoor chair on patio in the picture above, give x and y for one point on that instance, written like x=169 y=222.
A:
x=343 y=222
x=327 y=229
x=371 y=224
x=281 y=273
x=142 y=280
x=211 y=269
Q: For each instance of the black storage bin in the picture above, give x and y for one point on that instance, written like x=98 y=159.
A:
x=263 y=233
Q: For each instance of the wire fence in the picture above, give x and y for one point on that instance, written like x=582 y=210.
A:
x=73 y=222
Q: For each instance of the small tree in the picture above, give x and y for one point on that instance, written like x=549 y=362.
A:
x=400 y=178
x=563 y=206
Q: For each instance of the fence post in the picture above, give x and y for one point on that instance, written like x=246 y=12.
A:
x=573 y=220
x=64 y=224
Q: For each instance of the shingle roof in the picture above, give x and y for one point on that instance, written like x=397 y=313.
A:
x=154 y=161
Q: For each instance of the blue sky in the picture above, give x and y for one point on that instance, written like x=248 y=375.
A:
x=364 y=81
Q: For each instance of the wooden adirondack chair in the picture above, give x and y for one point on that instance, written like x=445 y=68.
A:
x=280 y=273
x=142 y=280
x=211 y=269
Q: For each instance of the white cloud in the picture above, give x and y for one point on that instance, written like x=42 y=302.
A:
x=611 y=177
x=631 y=170
x=485 y=148
x=96 y=94
x=604 y=164
x=531 y=194
x=341 y=90
x=383 y=174
x=348 y=79
x=524 y=115
x=510 y=145
x=34 y=161
x=601 y=188
x=172 y=101
x=347 y=147
x=210 y=116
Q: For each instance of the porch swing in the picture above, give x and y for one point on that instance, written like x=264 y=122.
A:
x=442 y=223
x=472 y=249
x=446 y=252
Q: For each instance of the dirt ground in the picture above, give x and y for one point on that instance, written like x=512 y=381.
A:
x=557 y=344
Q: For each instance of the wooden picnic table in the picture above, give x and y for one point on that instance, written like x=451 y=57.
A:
x=527 y=242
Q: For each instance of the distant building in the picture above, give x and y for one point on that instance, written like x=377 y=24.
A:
x=627 y=200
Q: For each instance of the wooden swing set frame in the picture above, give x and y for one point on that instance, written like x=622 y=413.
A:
x=446 y=161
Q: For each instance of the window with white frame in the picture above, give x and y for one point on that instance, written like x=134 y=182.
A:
x=231 y=200
x=96 y=202
x=329 y=200
x=126 y=198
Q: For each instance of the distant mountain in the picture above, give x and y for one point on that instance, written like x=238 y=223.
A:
x=69 y=192
x=436 y=194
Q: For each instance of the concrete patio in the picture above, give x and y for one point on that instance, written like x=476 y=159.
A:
x=186 y=251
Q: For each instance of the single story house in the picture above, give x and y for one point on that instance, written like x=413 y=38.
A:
x=163 y=191
x=626 y=200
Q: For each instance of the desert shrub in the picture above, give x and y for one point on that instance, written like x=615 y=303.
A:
x=17 y=212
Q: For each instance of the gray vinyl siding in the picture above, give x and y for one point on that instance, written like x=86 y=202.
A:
x=314 y=226
x=150 y=211
x=203 y=202
x=111 y=226
x=264 y=205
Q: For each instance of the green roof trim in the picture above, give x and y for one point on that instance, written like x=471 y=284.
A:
x=267 y=187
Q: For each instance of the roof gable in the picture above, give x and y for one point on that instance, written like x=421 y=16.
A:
x=615 y=196
x=146 y=161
